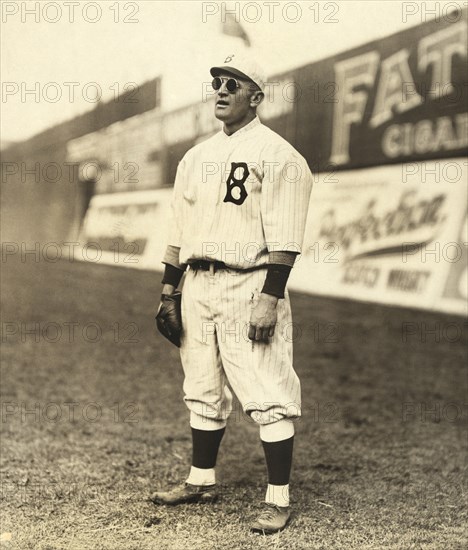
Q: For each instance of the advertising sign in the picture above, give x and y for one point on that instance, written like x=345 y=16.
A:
x=126 y=229
x=389 y=101
x=388 y=234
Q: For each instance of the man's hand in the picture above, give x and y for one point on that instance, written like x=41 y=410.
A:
x=263 y=318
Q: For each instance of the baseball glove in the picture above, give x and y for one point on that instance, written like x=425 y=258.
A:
x=169 y=317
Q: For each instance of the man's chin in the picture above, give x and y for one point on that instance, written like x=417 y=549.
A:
x=221 y=115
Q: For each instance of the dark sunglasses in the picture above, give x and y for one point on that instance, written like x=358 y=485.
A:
x=231 y=84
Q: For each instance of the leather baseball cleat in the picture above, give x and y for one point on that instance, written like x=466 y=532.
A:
x=185 y=494
x=272 y=519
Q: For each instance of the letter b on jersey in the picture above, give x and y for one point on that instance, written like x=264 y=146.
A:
x=236 y=192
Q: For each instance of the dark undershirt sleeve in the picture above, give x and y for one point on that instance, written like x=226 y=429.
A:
x=276 y=279
x=172 y=275
x=280 y=265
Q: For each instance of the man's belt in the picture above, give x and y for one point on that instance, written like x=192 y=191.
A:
x=206 y=265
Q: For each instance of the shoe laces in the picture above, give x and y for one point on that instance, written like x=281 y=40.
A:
x=269 y=511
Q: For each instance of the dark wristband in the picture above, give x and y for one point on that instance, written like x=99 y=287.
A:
x=276 y=279
x=172 y=275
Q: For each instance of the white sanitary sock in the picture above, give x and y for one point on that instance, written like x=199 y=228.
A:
x=201 y=476
x=277 y=494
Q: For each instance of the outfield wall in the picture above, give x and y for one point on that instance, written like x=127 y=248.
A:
x=374 y=234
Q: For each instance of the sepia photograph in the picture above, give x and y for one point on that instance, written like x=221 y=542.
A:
x=234 y=275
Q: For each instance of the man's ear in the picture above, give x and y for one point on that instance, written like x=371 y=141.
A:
x=256 y=98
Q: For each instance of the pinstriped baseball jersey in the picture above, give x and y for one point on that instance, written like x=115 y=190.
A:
x=236 y=198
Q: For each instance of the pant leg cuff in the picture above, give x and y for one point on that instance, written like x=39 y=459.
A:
x=199 y=422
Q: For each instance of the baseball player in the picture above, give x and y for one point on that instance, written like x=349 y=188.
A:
x=239 y=210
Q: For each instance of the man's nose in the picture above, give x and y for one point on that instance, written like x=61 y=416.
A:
x=222 y=92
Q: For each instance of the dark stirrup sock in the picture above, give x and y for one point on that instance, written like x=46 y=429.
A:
x=205 y=446
x=278 y=456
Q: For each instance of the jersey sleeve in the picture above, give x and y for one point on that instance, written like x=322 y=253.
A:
x=286 y=189
x=177 y=204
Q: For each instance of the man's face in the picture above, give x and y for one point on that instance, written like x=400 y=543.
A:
x=233 y=107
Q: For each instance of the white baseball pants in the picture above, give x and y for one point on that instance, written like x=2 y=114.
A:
x=216 y=351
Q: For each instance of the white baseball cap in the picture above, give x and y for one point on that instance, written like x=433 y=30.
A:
x=243 y=67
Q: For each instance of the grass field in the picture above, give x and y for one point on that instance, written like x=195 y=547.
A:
x=90 y=428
